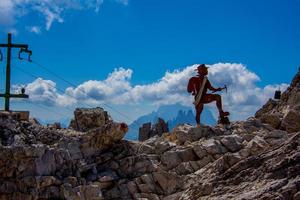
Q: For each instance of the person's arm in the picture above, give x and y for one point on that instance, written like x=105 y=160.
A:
x=210 y=87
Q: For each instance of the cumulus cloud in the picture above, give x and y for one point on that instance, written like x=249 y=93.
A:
x=52 y=10
x=170 y=88
x=40 y=91
x=44 y=92
x=243 y=98
x=109 y=89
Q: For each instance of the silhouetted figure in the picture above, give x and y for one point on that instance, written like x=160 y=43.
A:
x=198 y=86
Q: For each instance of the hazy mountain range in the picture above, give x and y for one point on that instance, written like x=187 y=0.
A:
x=173 y=114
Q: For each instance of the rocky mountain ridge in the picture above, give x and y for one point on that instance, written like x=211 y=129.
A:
x=252 y=159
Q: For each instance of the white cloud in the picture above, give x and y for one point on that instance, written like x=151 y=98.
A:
x=116 y=84
x=243 y=98
x=169 y=89
x=52 y=11
x=51 y=17
x=6 y=12
x=34 y=29
x=40 y=91
x=44 y=92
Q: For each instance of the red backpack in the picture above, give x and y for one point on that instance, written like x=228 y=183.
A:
x=190 y=86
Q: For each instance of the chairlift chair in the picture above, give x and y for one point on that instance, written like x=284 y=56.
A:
x=277 y=94
x=25 y=51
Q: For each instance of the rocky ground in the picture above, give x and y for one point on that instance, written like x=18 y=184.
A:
x=254 y=159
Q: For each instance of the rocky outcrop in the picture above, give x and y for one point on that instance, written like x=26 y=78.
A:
x=146 y=131
x=254 y=159
x=78 y=165
x=42 y=162
x=89 y=118
x=272 y=174
x=284 y=113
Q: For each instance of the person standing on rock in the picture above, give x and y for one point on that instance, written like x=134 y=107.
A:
x=198 y=86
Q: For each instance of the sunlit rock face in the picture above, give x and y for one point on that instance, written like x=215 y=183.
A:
x=47 y=158
x=88 y=118
x=254 y=159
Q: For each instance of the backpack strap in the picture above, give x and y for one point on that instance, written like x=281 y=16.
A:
x=199 y=94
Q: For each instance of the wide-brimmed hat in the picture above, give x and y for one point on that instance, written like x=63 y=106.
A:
x=201 y=67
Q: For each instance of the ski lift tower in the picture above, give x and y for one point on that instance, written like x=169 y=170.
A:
x=7 y=95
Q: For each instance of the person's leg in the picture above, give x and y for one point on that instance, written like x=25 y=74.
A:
x=208 y=98
x=199 y=109
x=219 y=103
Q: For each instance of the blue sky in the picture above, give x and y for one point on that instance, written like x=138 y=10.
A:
x=87 y=40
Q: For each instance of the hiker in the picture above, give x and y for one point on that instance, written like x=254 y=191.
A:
x=198 y=86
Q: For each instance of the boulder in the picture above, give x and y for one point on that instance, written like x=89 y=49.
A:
x=257 y=145
x=173 y=158
x=88 y=118
x=213 y=147
x=275 y=137
x=170 y=159
x=187 y=133
x=160 y=127
x=102 y=138
x=291 y=122
x=146 y=131
x=184 y=168
x=273 y=119
x=163 y=146
x=232 y=142
x=146 y=184
x=169 y=182
x=233 y=158
x=199 y=150
x=269 y=106
x=276 y=134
